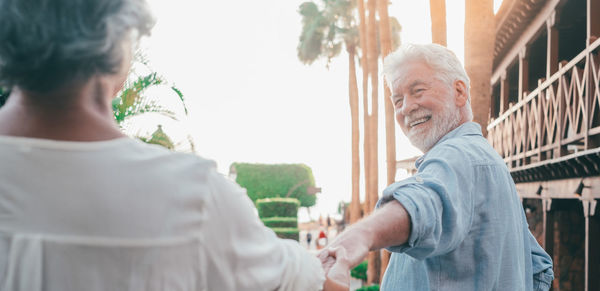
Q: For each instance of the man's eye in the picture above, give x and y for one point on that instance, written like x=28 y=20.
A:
x=398 y=102
x=418 y=90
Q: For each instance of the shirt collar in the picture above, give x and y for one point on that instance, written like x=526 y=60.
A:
x=467 y=128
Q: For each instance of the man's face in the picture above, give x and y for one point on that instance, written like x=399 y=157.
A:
x=425 y=105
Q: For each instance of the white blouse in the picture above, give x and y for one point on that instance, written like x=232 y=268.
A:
x=124 y=215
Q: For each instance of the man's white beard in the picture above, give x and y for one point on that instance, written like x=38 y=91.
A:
x=442 y=125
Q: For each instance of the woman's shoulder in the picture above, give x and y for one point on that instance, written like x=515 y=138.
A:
x=158 y=155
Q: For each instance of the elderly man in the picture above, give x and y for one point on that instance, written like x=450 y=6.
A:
x=458 y=223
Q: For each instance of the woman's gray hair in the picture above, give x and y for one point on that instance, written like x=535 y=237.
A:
x=45 y=44
x=439 y=58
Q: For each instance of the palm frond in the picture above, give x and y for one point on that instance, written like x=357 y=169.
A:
x=180 y=95
x=135 y=100
x=326 y=30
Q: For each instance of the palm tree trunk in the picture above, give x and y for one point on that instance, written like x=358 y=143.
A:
x=365 y=86
x=374 y=258
x=373 y=74
x=353 y=89
x=479 y=48
x=390 y=134
x=437 y=9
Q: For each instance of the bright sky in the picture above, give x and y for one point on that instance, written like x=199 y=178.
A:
x=251 y=100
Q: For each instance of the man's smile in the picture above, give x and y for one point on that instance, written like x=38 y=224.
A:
x=418 y=121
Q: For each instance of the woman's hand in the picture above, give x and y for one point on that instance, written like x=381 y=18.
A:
x=337 y=270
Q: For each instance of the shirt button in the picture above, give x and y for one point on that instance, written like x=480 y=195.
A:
x=419 y=180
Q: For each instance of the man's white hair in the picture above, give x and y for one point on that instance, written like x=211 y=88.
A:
x=440 y=59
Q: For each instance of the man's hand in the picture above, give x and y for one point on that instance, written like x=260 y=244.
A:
x=354 y=242
x=387 y=226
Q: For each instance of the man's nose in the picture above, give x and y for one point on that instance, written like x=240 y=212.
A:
x=408 y=106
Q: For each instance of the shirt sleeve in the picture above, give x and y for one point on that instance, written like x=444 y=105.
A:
x=439 y=202
x=541 y=265
x=244 y=254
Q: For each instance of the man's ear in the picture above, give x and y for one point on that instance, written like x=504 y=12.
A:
x=460 y=93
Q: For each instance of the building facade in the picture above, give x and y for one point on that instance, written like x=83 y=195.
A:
x=545 y=123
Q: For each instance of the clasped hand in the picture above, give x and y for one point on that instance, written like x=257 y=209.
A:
x=345 y=252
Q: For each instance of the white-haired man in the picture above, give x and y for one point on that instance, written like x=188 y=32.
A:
x=457 y=224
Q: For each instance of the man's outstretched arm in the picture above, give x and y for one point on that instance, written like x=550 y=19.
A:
x=387 y=226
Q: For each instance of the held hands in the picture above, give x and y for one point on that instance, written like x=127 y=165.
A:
x=345 y=252
x=388 y=226
x=355 y=242
x=336 y=269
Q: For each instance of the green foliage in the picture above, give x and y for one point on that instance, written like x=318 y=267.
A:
x=360 y=271
x=287 y=232
x=327 y=27
x=342 y=207
x=277 y=207
x=280 y=222
x=324 y=31
x=159 y=137
x=129 y=101
x=267 y=181
x=134 y=100
x=281 y=215
x=373 y=287
x=3 y=96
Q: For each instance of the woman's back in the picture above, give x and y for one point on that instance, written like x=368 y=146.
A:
x=122 y=190
x=119 y=188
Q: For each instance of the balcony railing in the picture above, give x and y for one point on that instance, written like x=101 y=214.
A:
x=554 y=131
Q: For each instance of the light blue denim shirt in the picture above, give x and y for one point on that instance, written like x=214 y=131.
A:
x=469 y=230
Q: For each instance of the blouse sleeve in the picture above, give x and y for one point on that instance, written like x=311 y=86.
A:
x=243 y=254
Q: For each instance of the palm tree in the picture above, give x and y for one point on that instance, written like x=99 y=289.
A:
x=323 y=33
x=437 y=9
x=364 y=61
x=372 y=163
x=134 y=101
x=479 y=48
x=390 y=134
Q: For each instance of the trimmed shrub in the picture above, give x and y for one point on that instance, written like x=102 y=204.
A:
x=360 y=271
x=280 y=221
x=266 y=181
x=277 y=207
x=373 y=287
x=287 y=232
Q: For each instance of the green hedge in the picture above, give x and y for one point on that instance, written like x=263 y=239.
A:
x=265 y=181
x=280 y=221
x=373 y=287
x=277 y=207
x=287 y=232
x=360 y=271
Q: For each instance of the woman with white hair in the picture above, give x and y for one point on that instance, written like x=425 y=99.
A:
x=83 y=207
